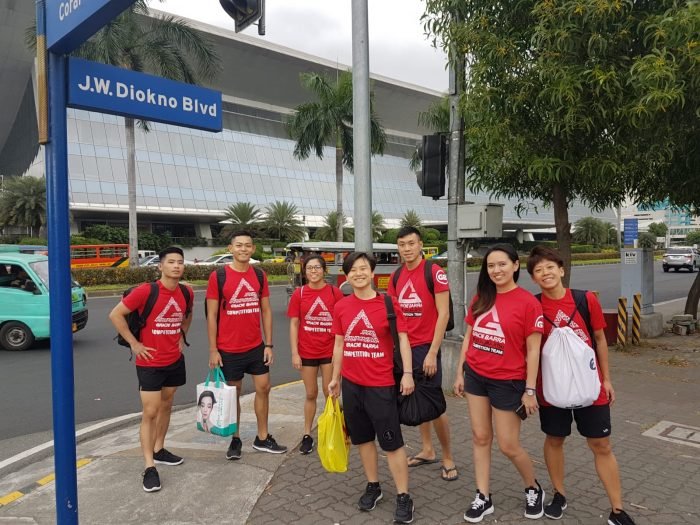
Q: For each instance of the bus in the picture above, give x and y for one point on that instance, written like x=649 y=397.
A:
x=99 y=255
x=387 y=256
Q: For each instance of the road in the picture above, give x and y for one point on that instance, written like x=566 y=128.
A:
x=105 y=380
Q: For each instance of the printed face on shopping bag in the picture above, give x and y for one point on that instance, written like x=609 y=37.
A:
x=206 y=404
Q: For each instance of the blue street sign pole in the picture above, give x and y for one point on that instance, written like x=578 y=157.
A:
x=62 y=376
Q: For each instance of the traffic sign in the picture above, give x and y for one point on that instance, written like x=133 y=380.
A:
x=631 y=231
x=69 y=23
x=108 y=89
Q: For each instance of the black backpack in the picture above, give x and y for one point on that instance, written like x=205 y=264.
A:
x=428 y=270
x=221 y=281
x=137 y=321
x=581 y=305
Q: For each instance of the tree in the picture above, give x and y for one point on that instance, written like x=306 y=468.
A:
x=23 y=203
x=329 y=230
x=377 y=225
x=658 y=229
x=693 y=237
x=436 y=118
x=411 y=218
x=329 y=121
x=590 y=230
x=646 y=240
x=282 y=221
x=162 y=45
x=241 y=216
x=560 y=95
x=610 y=234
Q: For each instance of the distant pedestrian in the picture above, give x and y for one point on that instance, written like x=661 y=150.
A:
x=311 y=338
x=160 y=364
x=501 y=349
x=426 y=307
x=363 y=353
x=238 y=299
x=593 y=422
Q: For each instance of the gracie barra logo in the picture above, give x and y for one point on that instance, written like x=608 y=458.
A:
x=169 y=320
x=441 y=277
x=244 y=300
x=562 y=318
x=409 y=301
x=318 y=318
x=487 y=334
x=360 y=338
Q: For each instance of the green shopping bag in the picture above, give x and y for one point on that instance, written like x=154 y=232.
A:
x=333 y=448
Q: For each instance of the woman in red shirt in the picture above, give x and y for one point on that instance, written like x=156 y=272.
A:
x=498 y=372
x=310 y=315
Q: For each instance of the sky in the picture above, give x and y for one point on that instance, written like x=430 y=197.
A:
x=399 y=48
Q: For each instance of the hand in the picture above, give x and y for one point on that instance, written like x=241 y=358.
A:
x=268 y=358
x=530 y=403
x=609 y=391
x=407 y=386
x=296 y=361
x=215 y=359
x=458 y=387
x=430 y=364
x=142 y=352
x=334 y=388
x=182 y=344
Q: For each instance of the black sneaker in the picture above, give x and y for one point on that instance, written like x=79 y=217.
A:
x=234 y=449
x=151 y=480
x=307 y=444
x=534 y=502
x=404 y=509
x=620 y=518
x=479 y=508
x=555 y=510
x=372 y=495
x=166 y=457
x=268 y=445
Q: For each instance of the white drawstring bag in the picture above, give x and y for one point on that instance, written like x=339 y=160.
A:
x=569 y=371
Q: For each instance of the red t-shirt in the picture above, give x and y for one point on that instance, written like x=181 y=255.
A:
x=558 y=311
x=162 y=328
x=239 y=315
x=368 y=347
x=314 y=309
x=497 y=346
x=416 y=301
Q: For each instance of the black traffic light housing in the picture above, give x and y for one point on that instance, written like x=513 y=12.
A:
x=245 y=13
x=433 y=166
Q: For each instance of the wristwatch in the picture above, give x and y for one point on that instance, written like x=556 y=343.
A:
x=269 y=346
x=530 y=391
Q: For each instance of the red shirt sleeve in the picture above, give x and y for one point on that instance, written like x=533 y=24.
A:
x=596 y=311
x=294 y=308
x=136 y=300
x=401 y=325
x=212 y=287
x=265 y=292
x=391 y=290
x=440 y=283
x=534 y=320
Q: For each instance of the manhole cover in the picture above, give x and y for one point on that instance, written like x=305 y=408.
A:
x=675 y=433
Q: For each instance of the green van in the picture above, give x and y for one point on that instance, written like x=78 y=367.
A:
x=24 y=300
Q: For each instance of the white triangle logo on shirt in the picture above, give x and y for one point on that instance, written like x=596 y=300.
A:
x=561 y=317
x=244 y=293
x=408 y=295
x=367 y=335
x=172 y=313
x=489 y=324
x=318 y=312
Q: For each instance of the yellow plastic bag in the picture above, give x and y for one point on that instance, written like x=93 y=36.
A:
x=333 y=448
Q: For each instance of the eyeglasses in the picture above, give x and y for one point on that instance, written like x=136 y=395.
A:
x=314 y=268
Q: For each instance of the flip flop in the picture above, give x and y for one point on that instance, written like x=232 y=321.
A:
x=417 y=461
x=446 y=473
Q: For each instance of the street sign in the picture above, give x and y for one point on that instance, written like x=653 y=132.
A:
x=69 y=23
x=108 y=89
x=631 y=231
x=630 y=257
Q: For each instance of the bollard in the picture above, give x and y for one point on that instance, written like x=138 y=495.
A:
x=622 y=321
x=636 y=317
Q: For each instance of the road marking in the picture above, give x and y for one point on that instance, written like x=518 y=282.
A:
x=675 y=433
x=287 y=384
x=670 y=301
x=9 y=498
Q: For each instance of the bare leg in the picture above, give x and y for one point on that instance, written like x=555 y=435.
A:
x=442 y=430
x=309 y=374
x=262 y=403
x=608 y=471
x=151 y=403
x=167 y=394
x=554 y=458
x=482 y=437
x=369 y=457
x=239 y=393
x=508 y=436
x=399 y=469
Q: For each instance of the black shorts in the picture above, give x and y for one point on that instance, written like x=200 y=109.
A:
x=419 y=352
x=592 y=421
x=504 y=394
x=316 y=362
x=252 y=362
x=153 y=379
x=372 y=411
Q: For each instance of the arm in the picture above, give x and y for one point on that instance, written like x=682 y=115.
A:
x=212 y=325
x=118 y=318
x=293 y=342
x=267 y=328
x=334 y=385
x=184 y=328
x=407 y=386
x=602 y=352
x=533 y=365
x=459 y=378
x=442 y=304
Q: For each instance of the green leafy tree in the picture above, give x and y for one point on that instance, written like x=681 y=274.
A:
x=23 y=203
x=282 y=221
x=377 y=225
x=646 y=240
x=436 y=118
x=693 y=237
x=610 y=234
x=658 y=229
x=329 y=121
x=241 y=216
x=329 y=230
x=107 y=234
x=590 y=230
x=411 y=218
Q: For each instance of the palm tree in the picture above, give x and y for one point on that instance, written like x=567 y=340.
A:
x=610 y=233
x=589 y=230
x=437 y=119
x=165 y=46
x=241 y=216
x=411 y=218
x=282 y=221
x=23 y=203
x=377 y=225
x=329 y=120
x=329 y=230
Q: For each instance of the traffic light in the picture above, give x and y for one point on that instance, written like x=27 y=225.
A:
x=245 y=13
x=434 y=162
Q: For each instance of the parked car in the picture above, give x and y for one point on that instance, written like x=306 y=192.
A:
x=443 y=256
x=679 y=257
x=222 y=258
x=24 y=300
x=153 y=260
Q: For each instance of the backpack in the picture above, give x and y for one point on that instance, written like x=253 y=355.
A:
x=221 y=281
x=569 y=372
x=428 y=270
x=137 y=321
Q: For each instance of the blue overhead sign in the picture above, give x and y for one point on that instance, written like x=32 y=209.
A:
x=631 y=231
x=69 y=23
x=108 y=89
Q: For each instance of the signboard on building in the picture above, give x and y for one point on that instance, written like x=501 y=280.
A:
x=108 y=89
x=631 y=231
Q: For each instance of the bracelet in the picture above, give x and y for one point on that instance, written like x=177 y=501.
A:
x=409 y=373
x=269 y=346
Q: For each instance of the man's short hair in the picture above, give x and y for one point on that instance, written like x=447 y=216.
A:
x=408 y=230
x=543 y=253
x=351 y=259
x=241 y=233
x=171 y=249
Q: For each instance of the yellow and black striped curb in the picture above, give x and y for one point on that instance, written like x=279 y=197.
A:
x=17 y=494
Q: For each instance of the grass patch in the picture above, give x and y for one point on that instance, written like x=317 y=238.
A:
x=674 y=361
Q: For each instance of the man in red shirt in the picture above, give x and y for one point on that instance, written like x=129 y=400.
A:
x=426 y=314
x=236 y=341
x=364 y=353
x=546 y=268
x=160 y=365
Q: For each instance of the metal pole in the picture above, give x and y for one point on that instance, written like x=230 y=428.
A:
x=456 y=269
x=361 y=127
x=60 y=297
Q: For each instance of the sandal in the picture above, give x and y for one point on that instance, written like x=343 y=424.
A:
x=446 y=473
x=417 y=461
